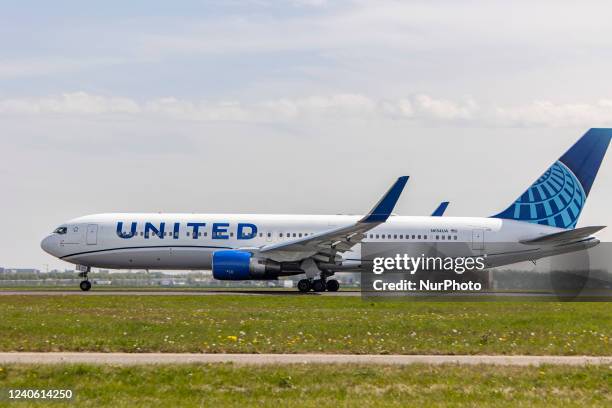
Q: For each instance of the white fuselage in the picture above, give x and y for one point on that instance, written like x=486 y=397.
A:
x=187 y=241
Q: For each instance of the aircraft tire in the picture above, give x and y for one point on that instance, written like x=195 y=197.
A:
x=318 y=285
x=333 y=285
x=304 y=285
x=85 y=285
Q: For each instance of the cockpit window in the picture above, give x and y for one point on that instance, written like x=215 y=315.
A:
x=61 y=230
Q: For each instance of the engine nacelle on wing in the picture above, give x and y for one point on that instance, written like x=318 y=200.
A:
x=241 y=265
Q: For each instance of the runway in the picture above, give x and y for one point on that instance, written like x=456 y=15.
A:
x=203 y=292
x=266 y=359
x=263 y=292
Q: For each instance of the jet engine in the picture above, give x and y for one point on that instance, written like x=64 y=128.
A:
x=242 y=265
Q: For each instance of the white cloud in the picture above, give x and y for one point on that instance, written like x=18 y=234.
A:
x=328 y=106
x=18 y=68
x=547 y=113
x=181 y=109
x=76 y=103
x=446 y=110
x=421 y=108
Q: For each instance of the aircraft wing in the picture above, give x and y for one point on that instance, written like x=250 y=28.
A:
x=438 y=212
x=326 y=244
x=563 y=236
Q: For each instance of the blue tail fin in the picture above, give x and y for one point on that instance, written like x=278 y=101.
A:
x=558 y=196
x=438 y=212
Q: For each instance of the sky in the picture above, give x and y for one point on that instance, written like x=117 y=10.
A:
x=297 y=106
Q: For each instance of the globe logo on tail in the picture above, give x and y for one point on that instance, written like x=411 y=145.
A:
x=555 y=199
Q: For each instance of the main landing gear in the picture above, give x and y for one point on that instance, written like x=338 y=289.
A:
x=318 y=285
x=311 y=269
x=85 y=284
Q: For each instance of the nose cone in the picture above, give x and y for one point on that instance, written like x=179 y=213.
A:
x=48 y=244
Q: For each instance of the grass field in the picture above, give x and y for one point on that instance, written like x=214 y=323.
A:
x=296 y=324
x=315 y=385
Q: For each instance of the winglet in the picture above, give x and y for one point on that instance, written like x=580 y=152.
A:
x=440 y=210
x=382 y=210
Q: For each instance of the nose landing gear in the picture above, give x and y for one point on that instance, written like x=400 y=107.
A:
x=85 y=284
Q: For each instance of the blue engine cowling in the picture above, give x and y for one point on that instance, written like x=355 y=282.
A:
x=241 y=265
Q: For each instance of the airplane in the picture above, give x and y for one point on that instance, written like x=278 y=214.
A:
x=438 y=212
x=540 y=223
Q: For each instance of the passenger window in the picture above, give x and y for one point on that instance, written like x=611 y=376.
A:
x=300 y=235
x=455 y=237
x=401 y=236
x=231 y=234
x=437 y=237
x=419 y=236
x=424 y=236
x=280 y=234
x=269 y=234
x=395 y=236
x=413 y=237
x=187 y=233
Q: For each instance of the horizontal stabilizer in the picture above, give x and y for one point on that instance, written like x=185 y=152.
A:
x=564 y=236
x=440 y=210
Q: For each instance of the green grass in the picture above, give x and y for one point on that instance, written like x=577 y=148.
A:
x=297 y=324
x=315 y=385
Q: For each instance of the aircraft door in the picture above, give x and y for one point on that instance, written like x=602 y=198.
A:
x=478 y=239
x=92 y=234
